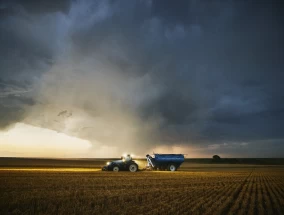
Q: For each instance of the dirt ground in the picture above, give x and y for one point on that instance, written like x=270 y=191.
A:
x=194 y=189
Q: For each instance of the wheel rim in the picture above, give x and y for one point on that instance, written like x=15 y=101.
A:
x=115 y=169
x=172 y=168
x=133 y=168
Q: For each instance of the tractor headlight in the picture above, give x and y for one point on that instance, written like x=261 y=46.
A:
x=108 y=163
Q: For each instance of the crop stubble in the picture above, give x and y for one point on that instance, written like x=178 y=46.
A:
x=255 y=190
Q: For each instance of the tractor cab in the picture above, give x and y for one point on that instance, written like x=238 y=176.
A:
x=126 y=158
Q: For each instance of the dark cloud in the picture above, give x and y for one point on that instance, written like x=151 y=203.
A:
x=35 y=6
x=192 y=72
x=10 y=115
x=171 y=12
x=14 y=99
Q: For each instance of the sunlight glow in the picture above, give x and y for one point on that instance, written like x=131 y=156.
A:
x=25 y=140
x=51 y=169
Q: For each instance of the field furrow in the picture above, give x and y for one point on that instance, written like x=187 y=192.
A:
x=252 y=206
x=271 y=195
x=221 y=200
x=260 y=202
x=266 y=197
x=234 y=203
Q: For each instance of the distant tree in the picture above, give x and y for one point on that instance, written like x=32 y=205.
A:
x=216 y=157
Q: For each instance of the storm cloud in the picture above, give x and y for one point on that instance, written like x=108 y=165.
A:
x=144 y=74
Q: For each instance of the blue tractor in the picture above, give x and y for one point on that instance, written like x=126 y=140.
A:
x=126 y=163
x=170 y=162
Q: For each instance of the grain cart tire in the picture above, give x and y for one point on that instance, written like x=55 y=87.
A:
x=172 y=167
x=115 y=169
x=133 y=167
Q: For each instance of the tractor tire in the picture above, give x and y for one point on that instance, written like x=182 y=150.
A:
x=133 y=167
x=172 y=168
x=115 y=169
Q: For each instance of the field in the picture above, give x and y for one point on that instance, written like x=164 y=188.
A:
x=195 y=189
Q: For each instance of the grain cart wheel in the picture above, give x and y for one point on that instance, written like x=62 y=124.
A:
x=172 y=167
x=133 y=167
x=115 y=169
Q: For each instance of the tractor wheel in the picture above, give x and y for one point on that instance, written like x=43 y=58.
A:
x=115 y=169
x=133 y=167
x=172 y=167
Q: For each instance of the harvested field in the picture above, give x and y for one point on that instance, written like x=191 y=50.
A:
x=200 y=189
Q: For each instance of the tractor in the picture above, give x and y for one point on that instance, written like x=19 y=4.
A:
x=125 y=164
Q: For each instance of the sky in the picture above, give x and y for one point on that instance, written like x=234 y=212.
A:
x=91 y=78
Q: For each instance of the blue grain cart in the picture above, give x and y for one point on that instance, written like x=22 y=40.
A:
x=170 y=162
